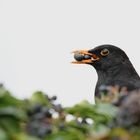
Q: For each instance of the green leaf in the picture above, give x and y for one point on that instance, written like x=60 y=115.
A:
x=84 y=128
x=3 y=135
x=23 y=136
x=106 y=109
x=39 y=98
x=99 y=131
x=6 y=99
x=12 y=111
x=71 y=134
x=10 y=124
x=83 y=109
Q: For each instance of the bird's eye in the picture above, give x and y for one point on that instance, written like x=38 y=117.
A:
x=104 y=52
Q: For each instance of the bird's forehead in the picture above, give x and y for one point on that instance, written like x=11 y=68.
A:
x=98 y=49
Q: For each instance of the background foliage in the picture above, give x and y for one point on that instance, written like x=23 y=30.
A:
x=42 y=118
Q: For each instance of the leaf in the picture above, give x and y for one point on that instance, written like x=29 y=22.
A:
x=106 y=109
x=71 y=134
x=10 y=119
x=99 y=131
x=39 y=98
x=6 y=99
x=23 y=136
x=10 y=124
x=83 y=109
x=99 y=113
x=3 y=135
x=12 y=111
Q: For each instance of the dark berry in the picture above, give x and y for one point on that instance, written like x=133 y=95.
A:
x=36 y=108
x=61 y=126
x=39 y=116
x=54 y=98
x=78 y=57
x=87 y=57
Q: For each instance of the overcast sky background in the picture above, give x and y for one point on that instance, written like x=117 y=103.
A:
x=37 y=36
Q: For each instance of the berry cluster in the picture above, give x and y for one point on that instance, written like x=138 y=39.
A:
x=41 y=118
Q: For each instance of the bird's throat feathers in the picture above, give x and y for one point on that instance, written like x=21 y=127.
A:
x=123 y=70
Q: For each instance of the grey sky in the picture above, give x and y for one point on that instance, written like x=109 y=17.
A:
x=37 y=36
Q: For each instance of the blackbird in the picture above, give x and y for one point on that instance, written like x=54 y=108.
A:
x=112 y=65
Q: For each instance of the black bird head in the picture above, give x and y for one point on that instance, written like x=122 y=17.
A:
x=112 y=65
x=102 y=57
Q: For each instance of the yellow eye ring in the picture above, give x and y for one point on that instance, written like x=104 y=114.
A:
x=104 y=52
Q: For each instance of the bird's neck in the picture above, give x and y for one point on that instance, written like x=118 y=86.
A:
x=125 y=70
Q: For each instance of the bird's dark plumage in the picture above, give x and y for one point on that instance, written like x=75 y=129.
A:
x=112 y=65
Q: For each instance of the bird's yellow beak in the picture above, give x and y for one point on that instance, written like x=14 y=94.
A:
x=86 y=57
